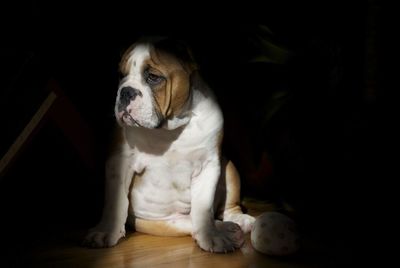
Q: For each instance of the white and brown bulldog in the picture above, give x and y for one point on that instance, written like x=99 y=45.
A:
x=165 y=175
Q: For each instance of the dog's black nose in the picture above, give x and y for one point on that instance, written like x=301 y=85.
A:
x=126 y=95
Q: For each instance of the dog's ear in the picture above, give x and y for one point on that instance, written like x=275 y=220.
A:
x=181 y=50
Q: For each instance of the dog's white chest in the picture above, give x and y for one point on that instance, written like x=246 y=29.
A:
x=163 y=189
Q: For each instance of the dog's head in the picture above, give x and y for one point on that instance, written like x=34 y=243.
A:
x=155 y=86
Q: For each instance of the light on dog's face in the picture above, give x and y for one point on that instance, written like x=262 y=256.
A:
x=155 y=87
x=135 y=104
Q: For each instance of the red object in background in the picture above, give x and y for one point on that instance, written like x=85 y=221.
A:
x=257 y=175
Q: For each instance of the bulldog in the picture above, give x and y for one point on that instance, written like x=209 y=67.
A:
x=165 y=175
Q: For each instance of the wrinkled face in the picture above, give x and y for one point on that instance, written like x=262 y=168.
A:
x=155 y=87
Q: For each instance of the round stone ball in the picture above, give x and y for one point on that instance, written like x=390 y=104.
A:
x=274 y=233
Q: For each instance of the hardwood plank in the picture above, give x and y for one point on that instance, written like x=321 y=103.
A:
x=141 y=250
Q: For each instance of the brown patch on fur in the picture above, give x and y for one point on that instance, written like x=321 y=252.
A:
x=172 y=94
x=159 y=228
x=232 y=180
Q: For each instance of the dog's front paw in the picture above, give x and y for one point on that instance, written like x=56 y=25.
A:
x=245 y=221
x=224 y=237
x=99 y=237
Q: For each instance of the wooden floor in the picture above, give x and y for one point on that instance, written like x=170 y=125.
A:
x=140 y=250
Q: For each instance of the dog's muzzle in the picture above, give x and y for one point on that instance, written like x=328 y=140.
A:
x=126 y=95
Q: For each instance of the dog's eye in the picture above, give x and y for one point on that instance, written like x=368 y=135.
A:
x=153 y=79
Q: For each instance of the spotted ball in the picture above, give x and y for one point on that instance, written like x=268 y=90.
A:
x=274 y=233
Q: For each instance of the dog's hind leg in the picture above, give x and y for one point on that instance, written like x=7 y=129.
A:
x=232 y=210
x=181 y=226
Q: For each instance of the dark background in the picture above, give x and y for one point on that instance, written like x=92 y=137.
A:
x=321 y=146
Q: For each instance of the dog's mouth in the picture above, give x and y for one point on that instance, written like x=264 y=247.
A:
x=126 y=118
